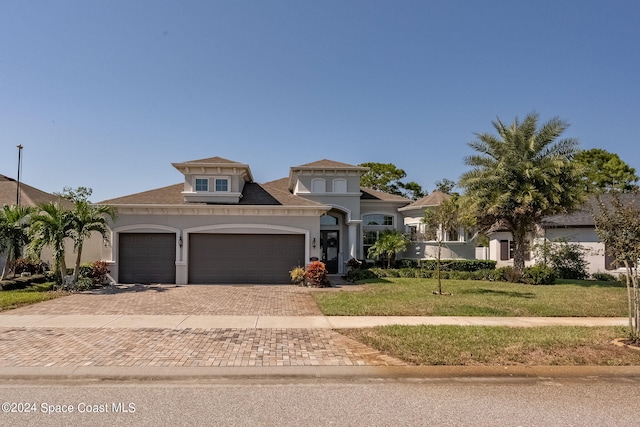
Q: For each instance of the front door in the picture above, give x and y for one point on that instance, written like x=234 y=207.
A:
x=329 y=245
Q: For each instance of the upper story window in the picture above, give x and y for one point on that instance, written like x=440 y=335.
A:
x=318 y=185
x=339 y=185
x=222 y=184
x=202 y=184
x=377 y=219
x=211 y=185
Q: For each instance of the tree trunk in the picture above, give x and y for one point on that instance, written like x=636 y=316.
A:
x=76 y=270
x=519 y=249
x=7 y=265
x=439 y=253
x=630 y=297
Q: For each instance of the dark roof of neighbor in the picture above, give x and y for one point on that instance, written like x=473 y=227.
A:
x=29 y=196
x=583 y=216
x=371 y=194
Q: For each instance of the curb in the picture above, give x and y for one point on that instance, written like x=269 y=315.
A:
x=290 y=373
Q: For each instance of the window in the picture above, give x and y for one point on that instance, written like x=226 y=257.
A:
x=340 y=185
x=202 y=184
x=222 y=184
x=377 y=219
x=507 y=247
x=369 y=239
x=318 y=185
x=453 y=235
x=328 y=220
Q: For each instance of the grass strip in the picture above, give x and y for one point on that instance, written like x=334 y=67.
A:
x=499 y=346
x=414 y=297
x=31 y=295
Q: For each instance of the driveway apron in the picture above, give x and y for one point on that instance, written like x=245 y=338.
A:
x=160 y=346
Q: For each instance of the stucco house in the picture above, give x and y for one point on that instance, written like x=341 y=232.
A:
x=220 y=226
x=576 y=227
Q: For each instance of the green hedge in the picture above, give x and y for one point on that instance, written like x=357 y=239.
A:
x=536 y=275
x=22 y=282
x=448 y=264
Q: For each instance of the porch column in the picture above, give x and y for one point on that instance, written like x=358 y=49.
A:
x=353 y=239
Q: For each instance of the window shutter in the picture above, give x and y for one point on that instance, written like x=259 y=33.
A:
x=504 y=250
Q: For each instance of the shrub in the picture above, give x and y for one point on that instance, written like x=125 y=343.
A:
x=567 y=259
x=22 y=282
x=604 y=277
x=356 y=275
x=25 y=265
x=512 y=275
x=96 y=271
x=355 y=264
x=450 y=264
x=539 y=275
x=297 y=275
x=316 y=275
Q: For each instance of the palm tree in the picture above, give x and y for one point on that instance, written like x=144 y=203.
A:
x=50 y=226
x=388 y=245
x=85 y=219
x=14 y=223
x=521 y=175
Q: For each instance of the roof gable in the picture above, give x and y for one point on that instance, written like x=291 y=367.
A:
x=329 y=164
x=29 y=196
x=433 y=199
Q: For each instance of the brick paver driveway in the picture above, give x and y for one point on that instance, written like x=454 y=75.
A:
x=203 y=347
x=262 y=300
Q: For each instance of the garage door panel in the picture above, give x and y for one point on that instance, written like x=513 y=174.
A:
x=147 y=258
x=244 y=258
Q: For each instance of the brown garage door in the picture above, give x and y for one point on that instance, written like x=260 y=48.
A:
x=244 y=258
x=147 y=258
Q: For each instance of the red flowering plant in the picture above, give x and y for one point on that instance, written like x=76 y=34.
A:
x=316 y=275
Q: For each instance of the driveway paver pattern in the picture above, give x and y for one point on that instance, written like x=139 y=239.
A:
x=263 y=300
x=188 y=347
x=60 y=347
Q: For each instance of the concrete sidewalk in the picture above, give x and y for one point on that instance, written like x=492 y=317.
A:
x=177 y=321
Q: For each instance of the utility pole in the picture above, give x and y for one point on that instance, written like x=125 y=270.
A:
x=19 y=167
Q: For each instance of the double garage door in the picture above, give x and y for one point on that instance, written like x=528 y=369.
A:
x=213 y=258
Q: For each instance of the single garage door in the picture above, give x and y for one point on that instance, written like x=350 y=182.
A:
x=147 y=258
x=244 y=258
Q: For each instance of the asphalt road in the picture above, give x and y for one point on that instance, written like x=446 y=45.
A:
x=362 y=402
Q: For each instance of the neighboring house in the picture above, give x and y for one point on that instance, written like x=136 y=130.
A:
x=457 y=242
x=576 y=227
x=219 y=226
x=31 y=196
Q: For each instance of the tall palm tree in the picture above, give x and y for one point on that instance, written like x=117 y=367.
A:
x=14 y=224
x=521 y=175
x=85 y=219
x=50 y=226
x=388 y=245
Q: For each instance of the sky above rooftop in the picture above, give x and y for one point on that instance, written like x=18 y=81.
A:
x=107 y=94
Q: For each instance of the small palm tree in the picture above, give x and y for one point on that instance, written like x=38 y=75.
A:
x=388 y=245
x=50 y=226
x=14 y=224
x=85 y=219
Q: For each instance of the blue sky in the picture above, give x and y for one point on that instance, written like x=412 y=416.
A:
x=107 y=94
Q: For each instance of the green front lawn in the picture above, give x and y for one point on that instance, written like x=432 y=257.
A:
x=414 y=297
x=498 y=346
x=30 y=295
